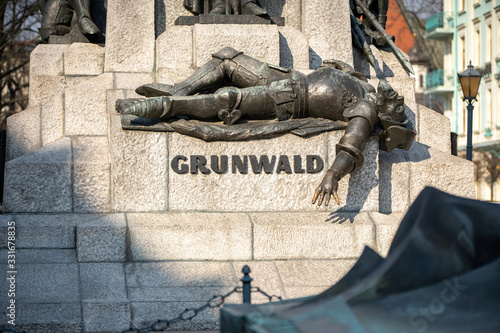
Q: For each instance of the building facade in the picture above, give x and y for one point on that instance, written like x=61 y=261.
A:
x=470 y=32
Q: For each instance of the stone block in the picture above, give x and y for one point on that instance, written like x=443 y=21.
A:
x=85 y=112
x=23 y=132
x=47 y=283
x=250 y=191
x=174 y=48
x=386 y=226
x=166 y=11
x=84 y=59
x=91 y=174
x=101 y=238
x=432 y=167
x=294 y=48
x=130 y=36
x=290 y=10
x=40 y=181
x=101 y=82
x=5 y=222
x=319 y=19
x=45 y=231
x=132 y=80
x=288 y=235
x=138 y=167
x=102 y=281
x=48 y=60
x=433 y=129
x=180 y=274
x=48 y=317
x=106 y=317
x=52 y=119
x=258 y=41
x=358 y=191
x=176 y=294
x=394 y=173
x=312 y=273
x=190 y=236
x=171 y=76
x=45 y=87
x=147 y=313
x=43 y=256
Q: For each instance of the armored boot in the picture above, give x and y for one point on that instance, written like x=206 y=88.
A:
x=249 y=7
x=227 y=65
x=87 y=26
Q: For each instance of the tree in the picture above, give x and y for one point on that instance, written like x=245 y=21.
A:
x=18 y=19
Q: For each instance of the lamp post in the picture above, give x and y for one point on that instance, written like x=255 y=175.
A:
x=469 y=80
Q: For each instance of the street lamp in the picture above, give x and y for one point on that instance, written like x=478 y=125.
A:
x=469 y=80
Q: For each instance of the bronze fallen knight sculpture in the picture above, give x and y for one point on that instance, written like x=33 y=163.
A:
x=251 y=89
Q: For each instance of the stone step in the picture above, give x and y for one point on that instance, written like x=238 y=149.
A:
x=149 y=237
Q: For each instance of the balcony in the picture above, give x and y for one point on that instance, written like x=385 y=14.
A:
x=440 y=82
x=439 y=25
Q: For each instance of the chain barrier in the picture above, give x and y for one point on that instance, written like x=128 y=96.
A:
x=189 y=313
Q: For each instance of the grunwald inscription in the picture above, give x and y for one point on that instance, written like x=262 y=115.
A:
x=240 y=164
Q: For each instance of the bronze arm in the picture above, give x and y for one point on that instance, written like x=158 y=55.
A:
x=349 y=158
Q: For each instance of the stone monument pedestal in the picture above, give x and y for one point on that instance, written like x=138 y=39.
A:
x=109 y=235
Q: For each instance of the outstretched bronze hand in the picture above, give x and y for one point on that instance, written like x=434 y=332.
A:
x=327 y=188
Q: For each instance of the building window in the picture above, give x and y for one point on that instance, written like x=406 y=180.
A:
x=489 y=42
x=462 y=53
x=461 y=6
x=489 y=108
x=421 y=81
x=476 y=60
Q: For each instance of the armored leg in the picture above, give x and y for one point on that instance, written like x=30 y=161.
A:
x=218 y=8
x=87 y=26
x=383 y=6
x=227 y=66
x=228 y=104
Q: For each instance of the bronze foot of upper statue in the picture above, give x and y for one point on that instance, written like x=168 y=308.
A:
x=251 y=8
x=87 y=26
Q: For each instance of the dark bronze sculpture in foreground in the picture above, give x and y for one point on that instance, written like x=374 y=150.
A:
x=248 y=89
x=441 y=275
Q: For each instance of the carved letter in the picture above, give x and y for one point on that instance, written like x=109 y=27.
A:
x=214 y=164
x=263 y=162
x=199 y=162
x=284 y=165
x=175 y=165
x=297 y=164
x=237 y=163
x=311 y=168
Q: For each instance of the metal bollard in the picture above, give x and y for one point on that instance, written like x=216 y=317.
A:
x=247 y=288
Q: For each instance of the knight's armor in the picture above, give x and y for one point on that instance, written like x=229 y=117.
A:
x=253 y=89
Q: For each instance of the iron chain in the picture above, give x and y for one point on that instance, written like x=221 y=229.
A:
x=190 y=313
